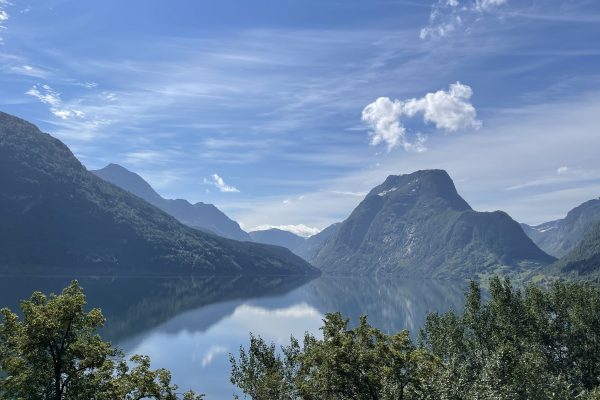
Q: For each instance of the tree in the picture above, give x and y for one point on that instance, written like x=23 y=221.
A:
x=55 y=353
x=358 y=363
x=535 y=343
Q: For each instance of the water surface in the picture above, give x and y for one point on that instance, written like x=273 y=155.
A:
x=190 y=325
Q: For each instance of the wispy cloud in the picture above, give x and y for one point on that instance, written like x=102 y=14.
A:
x=449 y=16
x=300 y=229
x=145 y=157
x=218 y=182
x=4 y=16
x=449 y=110
x=51 y=97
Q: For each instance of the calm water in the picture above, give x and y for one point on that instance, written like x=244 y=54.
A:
x=190 y=325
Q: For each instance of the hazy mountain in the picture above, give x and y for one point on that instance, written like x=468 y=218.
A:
x=203 y=216
x=417 y=224
x=311 y=246
x=277 y=237
x=57 y=216
x=584 y=260
x=561 y=236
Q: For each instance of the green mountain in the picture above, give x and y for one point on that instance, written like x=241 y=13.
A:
x=584 y=260
x=418 y=225
x=560 y=237
x=277 y=237
x=57 y=216
x=200 y=215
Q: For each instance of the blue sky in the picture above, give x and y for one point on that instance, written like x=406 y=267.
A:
x=270 y=110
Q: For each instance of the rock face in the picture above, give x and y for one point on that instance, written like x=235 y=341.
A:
x=312 y=245
x=202 y=216
x=417 y=224
x=560 y=237
x=56 y=217
x=584 y=260
x=277 y=237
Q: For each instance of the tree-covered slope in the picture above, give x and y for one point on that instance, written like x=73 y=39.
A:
x=559 y=237
x=56 y=216
x=417 y=224
x=200 y=215
x=584 y=260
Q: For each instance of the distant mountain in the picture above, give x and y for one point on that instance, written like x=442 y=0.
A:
x=277 y=237
x=559 y=237
x=202 y=216
x=584 y=260
x=417 y=224
x=311 y=246
x=56 y=217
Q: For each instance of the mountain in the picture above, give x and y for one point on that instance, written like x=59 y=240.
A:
x=57 y=216
x=277 y=237
x=311 y=246
x=584 y=260
x=202 y=216
x=559 y=237
x=418 y=225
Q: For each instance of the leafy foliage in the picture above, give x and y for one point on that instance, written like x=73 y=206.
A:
x=54 y=353
x=520 y=344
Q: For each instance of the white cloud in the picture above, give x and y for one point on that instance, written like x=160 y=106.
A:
x=220 y=184
x=449 y=110
x=383 y=115
x=51 y=97
x=4 y=16
x=300 y=229
x=563 y=170
x=348 y=193
x=448 y=16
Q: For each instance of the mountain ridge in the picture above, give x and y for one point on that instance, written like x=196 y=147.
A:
x=58 y=216
x=203 y=216
x=418 y=224
x=561 y=236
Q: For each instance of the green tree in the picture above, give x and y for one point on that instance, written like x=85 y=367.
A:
x=55 y=353
x=535 y=343
x=358 y=363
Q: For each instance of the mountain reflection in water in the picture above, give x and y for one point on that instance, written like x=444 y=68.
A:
x=191 y=324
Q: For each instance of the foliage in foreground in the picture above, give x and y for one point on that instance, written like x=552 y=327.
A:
x=54 y=353
x=519 y=344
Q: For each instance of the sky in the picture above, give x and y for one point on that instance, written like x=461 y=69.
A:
x=287 y=112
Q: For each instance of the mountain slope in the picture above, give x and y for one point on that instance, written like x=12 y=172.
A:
x=57 y=216
x=584 y=260
x=203 y=216
x=417 y=224
x=312 y=245
x=277 y=237
x=561 y=236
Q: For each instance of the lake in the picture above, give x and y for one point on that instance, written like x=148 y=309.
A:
x=190 y=325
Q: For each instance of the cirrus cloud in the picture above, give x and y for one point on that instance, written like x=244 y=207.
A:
x=218 y=182
x=50 y=97
x=448 y=16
